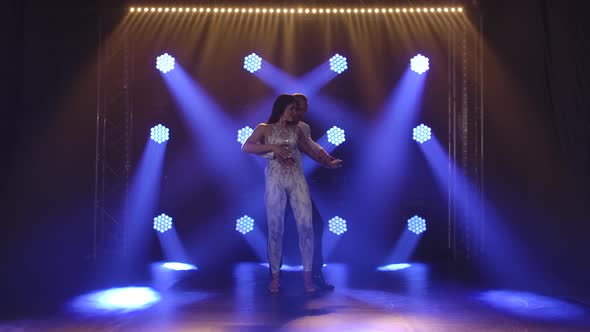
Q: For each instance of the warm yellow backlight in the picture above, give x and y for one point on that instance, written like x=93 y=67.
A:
x=418 y=10
x=363 y=10
x=355 y=10
x=404 y=10
x=314 y=11
x=257 y=10
x=292 y=11
x=460 y=9
x=321 y=10
x=446 y=10
x=370 y=10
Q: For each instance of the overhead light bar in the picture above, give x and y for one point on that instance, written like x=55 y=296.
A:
x=298 y=10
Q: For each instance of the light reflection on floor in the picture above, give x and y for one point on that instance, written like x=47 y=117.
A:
x=410 y=299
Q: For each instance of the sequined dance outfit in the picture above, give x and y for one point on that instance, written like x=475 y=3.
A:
x=287 y=182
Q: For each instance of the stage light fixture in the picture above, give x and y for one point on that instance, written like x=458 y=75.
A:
x=244 y=224
x=337 y=225
x=162 y=223
x=336 y=136
x=338 y=63
x=421 y=133
x=300 y=10
x=165 y=63
x=244 y=133
x=419 y=64
x=159 y=134
x=417 y=225
x=252 y=63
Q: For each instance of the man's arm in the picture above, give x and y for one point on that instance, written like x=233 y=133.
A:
x=319 y=156
x=313 y=144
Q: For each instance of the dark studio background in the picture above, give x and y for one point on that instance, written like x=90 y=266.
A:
x=537 y=162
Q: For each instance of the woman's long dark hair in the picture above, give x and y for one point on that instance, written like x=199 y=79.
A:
x=279 y=107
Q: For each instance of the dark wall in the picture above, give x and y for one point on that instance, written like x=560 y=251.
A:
x=48 y=168
x=538 y=128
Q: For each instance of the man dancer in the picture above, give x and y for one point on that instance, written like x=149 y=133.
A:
x=318 y=223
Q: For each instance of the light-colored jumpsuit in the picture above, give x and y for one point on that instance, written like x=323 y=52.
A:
x=284 y=182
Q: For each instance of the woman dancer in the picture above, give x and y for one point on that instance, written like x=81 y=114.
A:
x=285 y=180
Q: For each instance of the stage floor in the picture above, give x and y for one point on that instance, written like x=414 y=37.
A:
x=414 y=298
